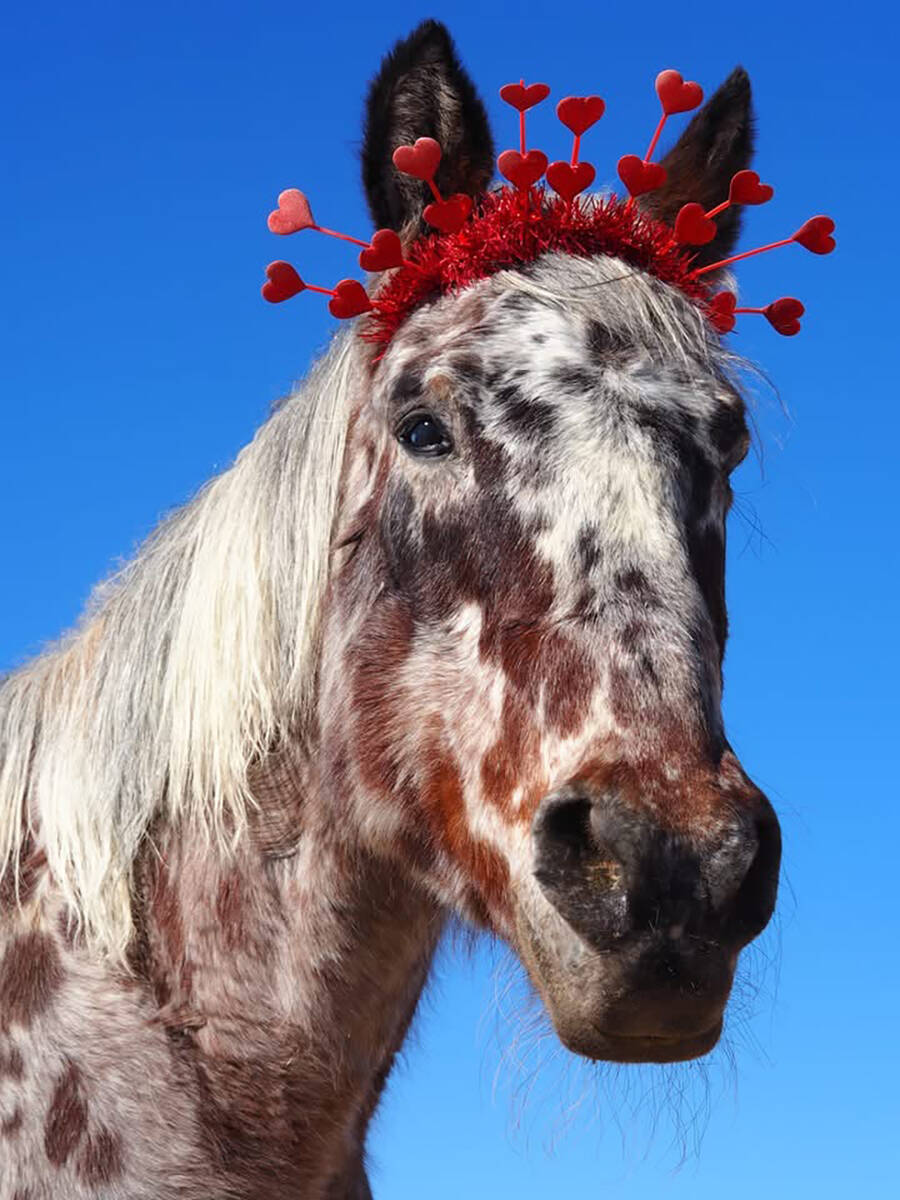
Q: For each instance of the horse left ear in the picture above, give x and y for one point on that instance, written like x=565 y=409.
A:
x=420 y=91
x=715 y=146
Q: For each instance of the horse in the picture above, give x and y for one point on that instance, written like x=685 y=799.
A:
x=445 y=641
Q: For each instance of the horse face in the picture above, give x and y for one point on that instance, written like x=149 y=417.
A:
x=521 y=693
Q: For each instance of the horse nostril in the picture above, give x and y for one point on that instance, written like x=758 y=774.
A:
x=579 y=864
x=754 y=899
x=562 y=831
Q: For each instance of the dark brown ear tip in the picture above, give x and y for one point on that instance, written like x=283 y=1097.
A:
x=738 y=81
x=430 y=40
x=724 y=128
x=430 y=30
x=734 y=95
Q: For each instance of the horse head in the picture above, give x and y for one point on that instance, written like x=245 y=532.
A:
x=521 y=676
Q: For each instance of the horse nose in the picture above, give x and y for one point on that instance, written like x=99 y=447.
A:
x=613 y=872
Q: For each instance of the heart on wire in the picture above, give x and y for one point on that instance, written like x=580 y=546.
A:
x=383 y=252
x=639 y=176
x=449 y=215
x=746 y=189
x=282 y=282
x=721 y=311
x=815 y=235
x=521 y=97
x=349 y=299
x=523 y=170
x=292 y=214
x=579 y=113
x=693 y=227
x=675 y=95
x=568 y=179
x=784 y=315
x=420 y=160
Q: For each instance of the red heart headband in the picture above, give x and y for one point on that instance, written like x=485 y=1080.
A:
x=509 y=226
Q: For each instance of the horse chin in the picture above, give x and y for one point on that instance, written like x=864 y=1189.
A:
x=596 y=1044
x=605 y=1006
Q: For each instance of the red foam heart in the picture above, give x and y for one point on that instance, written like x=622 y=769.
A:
x=815 y=235
x=721 y=311
x=746 y=189
x=349 y=299
x=420 y=160
x=522 y=169
x=282 y=282
x=292 y=214
x=522 y=97
x=784 y=315
x=450 y=214
x=639 y=176
x=693 y=227
x=579 y=113
x=675 y=95
x=568 y=179
x=383 y=252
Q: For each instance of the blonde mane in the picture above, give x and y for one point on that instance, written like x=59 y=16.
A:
x=189 y=661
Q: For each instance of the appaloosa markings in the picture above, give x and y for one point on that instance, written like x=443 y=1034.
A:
x=354 y=687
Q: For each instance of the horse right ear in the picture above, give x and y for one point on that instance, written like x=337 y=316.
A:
x=422 y=90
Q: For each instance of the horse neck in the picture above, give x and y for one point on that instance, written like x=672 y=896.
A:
x=291 y=972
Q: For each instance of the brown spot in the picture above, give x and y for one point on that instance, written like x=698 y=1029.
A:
x=12 y=1065
x=231 y=908
x=633 y=581
x=543 y=663
x=101 y=1159
x=622 y=698
x=30 y=975
x=646 y=669
x=480 y=552
x=632 y=636
x=442 y=798
x=569 y=684
x=10 y=1126
x=67 y=1117
x=512 y=760
x=378 y=657
x=468 y=366
x=159 y=949
x=165 y=908
x=17 y=887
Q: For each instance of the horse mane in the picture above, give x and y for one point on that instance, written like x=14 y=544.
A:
x=189 y=662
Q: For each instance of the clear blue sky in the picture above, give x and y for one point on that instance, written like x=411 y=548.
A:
x=144 y=148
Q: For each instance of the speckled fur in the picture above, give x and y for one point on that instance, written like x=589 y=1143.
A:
x=317 y=715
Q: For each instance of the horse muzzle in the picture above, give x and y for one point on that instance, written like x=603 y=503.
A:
x=636 y=956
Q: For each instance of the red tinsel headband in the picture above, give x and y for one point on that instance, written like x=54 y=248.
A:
x=513 y=225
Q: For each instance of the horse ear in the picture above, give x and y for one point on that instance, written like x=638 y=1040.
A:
x=422 y=90
x=715 y=146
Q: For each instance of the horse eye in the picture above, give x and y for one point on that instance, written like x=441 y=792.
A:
x=421 y=433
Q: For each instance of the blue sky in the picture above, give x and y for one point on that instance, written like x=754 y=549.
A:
x=144 y=148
